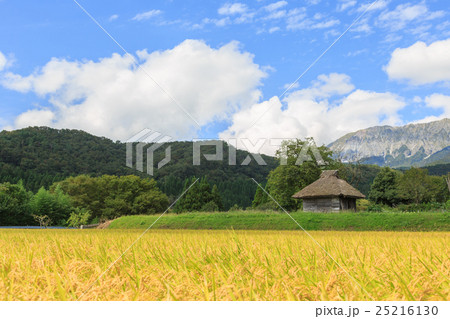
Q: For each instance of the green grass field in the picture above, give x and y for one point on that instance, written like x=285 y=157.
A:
x=364 y=221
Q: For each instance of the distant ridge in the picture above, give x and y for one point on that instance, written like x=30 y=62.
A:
x=410 y=145
x=40 y=156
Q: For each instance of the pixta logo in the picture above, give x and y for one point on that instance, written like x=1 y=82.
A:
x=139 y=142
x=254 y=149
x=136 y=144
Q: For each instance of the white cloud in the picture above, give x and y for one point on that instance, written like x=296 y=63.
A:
x=297 y=19
x=275 y=123
x=308 y=24
x=276 y=15
x=405 y=13
x=421 y=64
x=275 y=6
x=274 y=29
x=417 y=99
x=362 y=26
x=218 y=22
x=392 y=37
x=112 y=97
x=325 y=24
x=291 y=86
x=35 y=118
x=345 y=4
x=328 y=109
x=422 y=31
x=3 y=61
x=113 y=17
x=294 y=19
x=146 y=15
x=232 y=8
x=440 y=102
x=372 y=5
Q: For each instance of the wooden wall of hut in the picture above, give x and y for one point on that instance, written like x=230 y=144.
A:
x=323 y=204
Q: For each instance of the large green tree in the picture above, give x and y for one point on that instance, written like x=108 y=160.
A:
x=301 y=163
x=15 y=205
x=384 y=189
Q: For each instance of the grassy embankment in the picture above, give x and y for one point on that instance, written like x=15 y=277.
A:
x=362 y=221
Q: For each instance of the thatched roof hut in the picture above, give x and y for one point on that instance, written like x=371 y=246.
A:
x=329 y=193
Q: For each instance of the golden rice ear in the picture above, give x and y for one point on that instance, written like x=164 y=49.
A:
x=221 y=265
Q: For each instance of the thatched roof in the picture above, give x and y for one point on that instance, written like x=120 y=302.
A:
x=329 y=184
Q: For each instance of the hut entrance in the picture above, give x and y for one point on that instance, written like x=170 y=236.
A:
x=347 y=203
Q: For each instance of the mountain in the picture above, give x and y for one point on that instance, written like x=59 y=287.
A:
x=403 y=146
x=40 y=156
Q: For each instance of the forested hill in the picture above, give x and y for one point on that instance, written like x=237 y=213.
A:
x=40 y=156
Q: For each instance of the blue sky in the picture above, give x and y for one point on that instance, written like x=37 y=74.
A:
x=226 y=64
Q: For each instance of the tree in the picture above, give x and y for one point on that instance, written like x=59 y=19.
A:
x=286 y=180
x=216 y=198
x=80 y=216
x=199 y=197
x=360 y=176
x=416 y=186
x=43 y=220
x=384 y=188
x=55 y=205
x=150 y=202
x=14 y=205
x=297 y=152
x=301 y=163
x=260 y=197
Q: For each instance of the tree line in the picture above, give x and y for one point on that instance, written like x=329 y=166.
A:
x=411 y=187
x=82 y=199
x=407 y=189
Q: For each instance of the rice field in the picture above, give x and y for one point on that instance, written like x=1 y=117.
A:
x=223 y=265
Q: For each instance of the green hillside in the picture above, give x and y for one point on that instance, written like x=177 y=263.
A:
x=40 y=156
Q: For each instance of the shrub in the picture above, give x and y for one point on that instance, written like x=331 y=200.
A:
x=235 y=208
x=375 y=208
x=210 y=207
x=447 y=205
x=79 y=216
x=362 y=204
x=271 y=206
x=423 y=207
